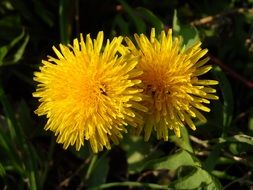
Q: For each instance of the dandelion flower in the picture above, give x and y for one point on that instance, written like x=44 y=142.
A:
x=89 y=92
x=175 y=93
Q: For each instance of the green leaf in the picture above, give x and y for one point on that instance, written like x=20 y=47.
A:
x=30 y=165
x=99 y=173
x=214 y=118
x=9 y=115
x=223 y=175
x=189 y=34
x=122 y=24
x=138 y=152
x=16 y=39
x=10 y=27
x=19 y=53
x=7 y=148
x=132 y=184
x=152 y=18
x=3 y=53
x=198 y=179
x=24 y=10
x=17 y=138
x=2 y=170
x=175 y=23
x=183 y=141
x=241 y=138
x=227 y=95
x=173 y=162
x=19 y=50
x=250 y=124
x=234 y=142
x=43 y=12
x=212 y=158
x=138 y=22
x=65 y=20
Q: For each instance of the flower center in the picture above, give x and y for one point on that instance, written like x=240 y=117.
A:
x=103 y=89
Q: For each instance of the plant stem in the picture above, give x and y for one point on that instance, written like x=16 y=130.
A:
x=91 y=166
x=134 y=184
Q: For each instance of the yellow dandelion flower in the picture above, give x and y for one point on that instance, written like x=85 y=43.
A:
x=89 y=92
x=175 y=94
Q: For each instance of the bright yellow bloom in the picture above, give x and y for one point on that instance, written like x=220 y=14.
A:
x=89 y=92
x=174 y=92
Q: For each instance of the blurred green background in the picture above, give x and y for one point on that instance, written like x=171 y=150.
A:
x=218 y=155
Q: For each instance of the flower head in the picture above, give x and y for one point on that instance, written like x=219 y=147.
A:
x=175 y=94
x=89 y=92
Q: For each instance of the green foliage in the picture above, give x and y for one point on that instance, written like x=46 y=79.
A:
x=218 y=155
x=98 y=173
x=173 y=162
x=197 y=179
x=189 y=34
x=65 y=7
x=13 y=51
x=228 y=100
